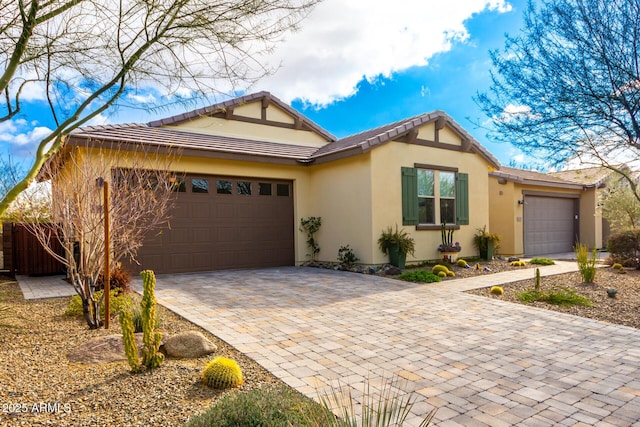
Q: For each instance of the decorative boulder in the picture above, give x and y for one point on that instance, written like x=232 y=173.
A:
x=188 y=345
x=513 y=258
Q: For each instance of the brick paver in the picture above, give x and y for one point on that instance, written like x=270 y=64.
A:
x=481 y=361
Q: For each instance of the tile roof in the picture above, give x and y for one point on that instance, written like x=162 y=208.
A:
x=587 y=176
x=174 y=138
x=533 y=177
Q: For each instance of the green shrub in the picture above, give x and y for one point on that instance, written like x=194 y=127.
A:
x=461 y=263
x=419 y=276
x=542 y=261
x=496 y=290
x=346 y=256
x=624 y=247
x=438 y=268
x=586 y=263
x=222 y=373
x=116 y=303
x=274 y=406
x=563 y=297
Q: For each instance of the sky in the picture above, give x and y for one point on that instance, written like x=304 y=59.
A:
x=358 y=64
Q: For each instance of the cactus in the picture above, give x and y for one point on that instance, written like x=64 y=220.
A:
x=617 y=266
x=438 y=268
x=518 y=264
x=537 y=279
x=151 y=357
x=152 y=339
x=442 y=274
x=496 y=290
x=451 y=274
x=221 y=373
x=129 y=338
x=461 y=263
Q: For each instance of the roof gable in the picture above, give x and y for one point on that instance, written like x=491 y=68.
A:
x=407 y=130
x=258 y=108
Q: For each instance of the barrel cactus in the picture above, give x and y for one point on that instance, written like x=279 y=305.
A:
x=461 y=263
x=496 y=290
x=440 y=268
x=222 y=373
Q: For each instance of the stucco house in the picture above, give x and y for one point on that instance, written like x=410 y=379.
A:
x=537 y=213
x=254 y=167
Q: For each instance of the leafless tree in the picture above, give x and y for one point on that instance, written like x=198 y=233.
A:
x=567 y=86
x=83 y=57
x=141 y=195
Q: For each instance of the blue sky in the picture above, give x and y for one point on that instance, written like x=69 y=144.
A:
x=359 y=64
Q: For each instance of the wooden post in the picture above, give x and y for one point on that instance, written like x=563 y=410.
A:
x=107 y=271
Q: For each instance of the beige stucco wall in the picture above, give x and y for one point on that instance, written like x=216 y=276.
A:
x=340 y=193
x=505 y=216
x=590 y=219
x=387 y=162
x=255 y=131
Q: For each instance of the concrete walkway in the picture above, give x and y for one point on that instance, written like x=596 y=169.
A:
x=480 y=361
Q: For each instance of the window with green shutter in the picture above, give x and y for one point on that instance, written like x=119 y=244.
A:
x=420 y=196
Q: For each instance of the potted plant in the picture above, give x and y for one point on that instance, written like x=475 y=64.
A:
x=397 y=244
x=447 y=248
x=486 y=243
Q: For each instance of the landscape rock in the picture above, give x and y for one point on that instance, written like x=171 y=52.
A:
x=188 y=345
x=105 y=349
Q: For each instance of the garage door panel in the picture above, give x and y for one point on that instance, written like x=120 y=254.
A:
x=549 y=225
x=211 y=231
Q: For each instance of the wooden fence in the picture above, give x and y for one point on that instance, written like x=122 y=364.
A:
x=24 y=255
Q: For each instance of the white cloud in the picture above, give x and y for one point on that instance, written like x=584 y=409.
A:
x=21 y=136
x=344 y=41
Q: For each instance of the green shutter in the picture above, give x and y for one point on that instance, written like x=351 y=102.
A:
x=409 y=196
x=462 y=198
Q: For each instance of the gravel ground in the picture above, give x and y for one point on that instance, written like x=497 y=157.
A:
x=39 y=386
x=622 y=310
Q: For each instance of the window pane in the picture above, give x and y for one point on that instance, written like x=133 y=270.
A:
x=425 y=182
x=199 y=186
x=447 y=184
x=224 y=187
x=264 y=188
x=244 y=188
x=426 y=211
x=283 y=190
x=178 y=185
x=448 y=211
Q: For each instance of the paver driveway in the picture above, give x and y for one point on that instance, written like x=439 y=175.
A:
x=480 y=361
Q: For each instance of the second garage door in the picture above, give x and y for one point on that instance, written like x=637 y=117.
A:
x=224 y=223
x=550 y=225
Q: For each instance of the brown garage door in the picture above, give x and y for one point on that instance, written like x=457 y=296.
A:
x=224 y=223
x=550 y=225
